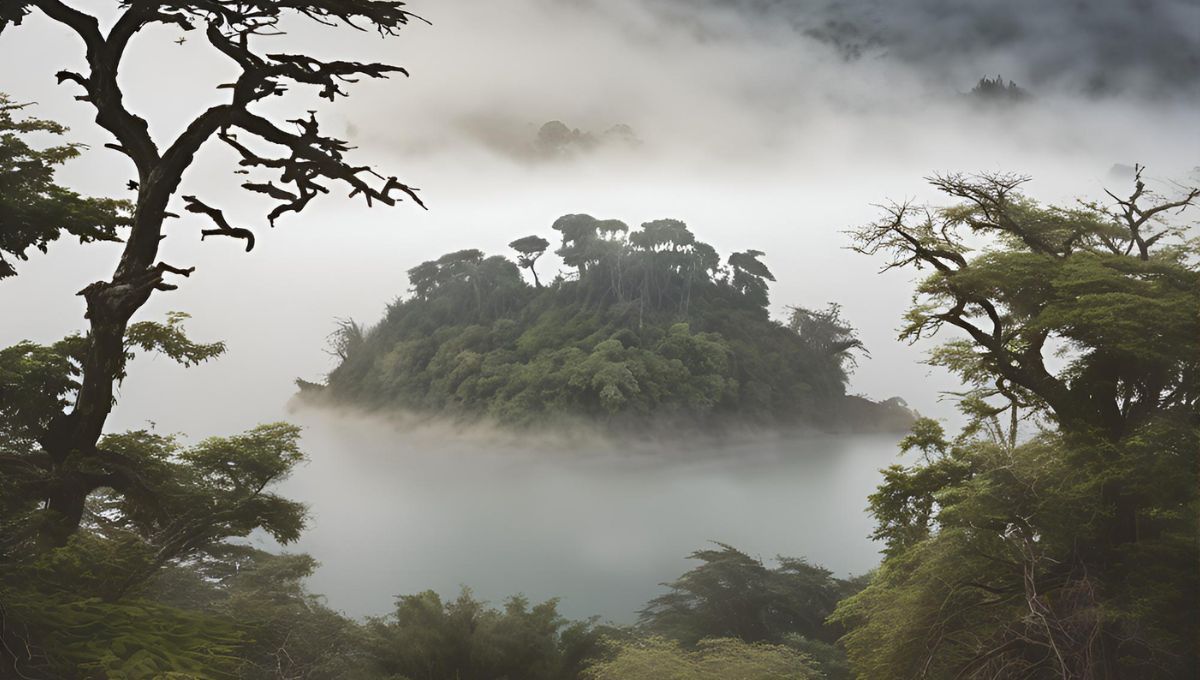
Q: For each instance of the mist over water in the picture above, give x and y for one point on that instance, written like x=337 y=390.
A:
x=400 y=510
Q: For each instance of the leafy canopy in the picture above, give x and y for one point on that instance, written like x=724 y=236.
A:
x=1063 y=552
x=34 y=209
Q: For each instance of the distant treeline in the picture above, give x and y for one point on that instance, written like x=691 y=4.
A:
x=650 y=324
x=996 y=91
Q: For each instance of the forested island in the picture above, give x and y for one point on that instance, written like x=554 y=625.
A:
x=650 y=326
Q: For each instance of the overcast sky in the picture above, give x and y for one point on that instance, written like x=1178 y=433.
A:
x=768 y=125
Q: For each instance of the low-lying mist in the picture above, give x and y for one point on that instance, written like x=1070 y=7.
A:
x=399 y=507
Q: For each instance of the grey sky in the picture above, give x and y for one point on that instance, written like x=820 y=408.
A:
x=755 y=133
x=1109 y=48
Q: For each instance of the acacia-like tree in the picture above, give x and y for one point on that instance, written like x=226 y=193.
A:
x=529 y=249
x=304 y=161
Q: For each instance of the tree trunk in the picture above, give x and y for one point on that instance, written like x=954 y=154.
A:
x=72 y=437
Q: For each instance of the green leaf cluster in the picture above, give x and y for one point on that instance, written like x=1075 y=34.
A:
x=1066 y=549
x=732 y=595
x=34 y=210
x=465 y=639
x=657 y=658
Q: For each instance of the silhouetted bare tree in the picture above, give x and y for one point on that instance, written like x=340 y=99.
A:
x=306 y=163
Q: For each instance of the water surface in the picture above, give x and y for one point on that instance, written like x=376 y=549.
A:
x=599 y=524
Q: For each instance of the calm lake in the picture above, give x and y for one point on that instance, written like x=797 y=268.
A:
x=600 y=525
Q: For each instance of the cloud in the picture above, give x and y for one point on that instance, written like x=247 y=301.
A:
x=745 y=81
x=1136 y=47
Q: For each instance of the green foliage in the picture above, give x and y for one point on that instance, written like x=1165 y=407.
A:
x=200 y=496
x=237 y=613
x=529 y=249
x=1119 y=303
x=464 y=639
x=750 y=275
x=826 y=331
x=733 y=595
x=37 y=382
x=657 y=658
x=1064 y=553
x=34 y=211
x=134 y=639
x=651 y=327
x=170 y=339
x=995 y=553
x=89 y=608
x=285 y=631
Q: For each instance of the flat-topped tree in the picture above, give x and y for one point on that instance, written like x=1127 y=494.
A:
x=529 y=249
x=307 y=164
x=749 y=275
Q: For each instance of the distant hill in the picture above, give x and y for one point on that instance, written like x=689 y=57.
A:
x=651 y=327
x=557 y=141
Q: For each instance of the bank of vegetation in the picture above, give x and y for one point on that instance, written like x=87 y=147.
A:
x=651 y=327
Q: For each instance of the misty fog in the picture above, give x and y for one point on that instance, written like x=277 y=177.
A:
x=595 y=524
x=756 y=129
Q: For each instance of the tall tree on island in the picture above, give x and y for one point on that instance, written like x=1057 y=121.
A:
x=306 y=162
x=529 y=249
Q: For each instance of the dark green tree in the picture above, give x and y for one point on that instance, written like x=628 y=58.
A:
x=750 y=275
x=1064 y=552
x=579 y=235
x=734 y=595
x=465 y=639
x=826 y=332
x=94 y=605
x=1090 y=277
x=285 y=631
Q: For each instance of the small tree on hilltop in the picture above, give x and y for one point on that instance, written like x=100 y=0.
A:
x=529 y=249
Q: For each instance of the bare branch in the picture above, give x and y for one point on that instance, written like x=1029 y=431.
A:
x=194 y=205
